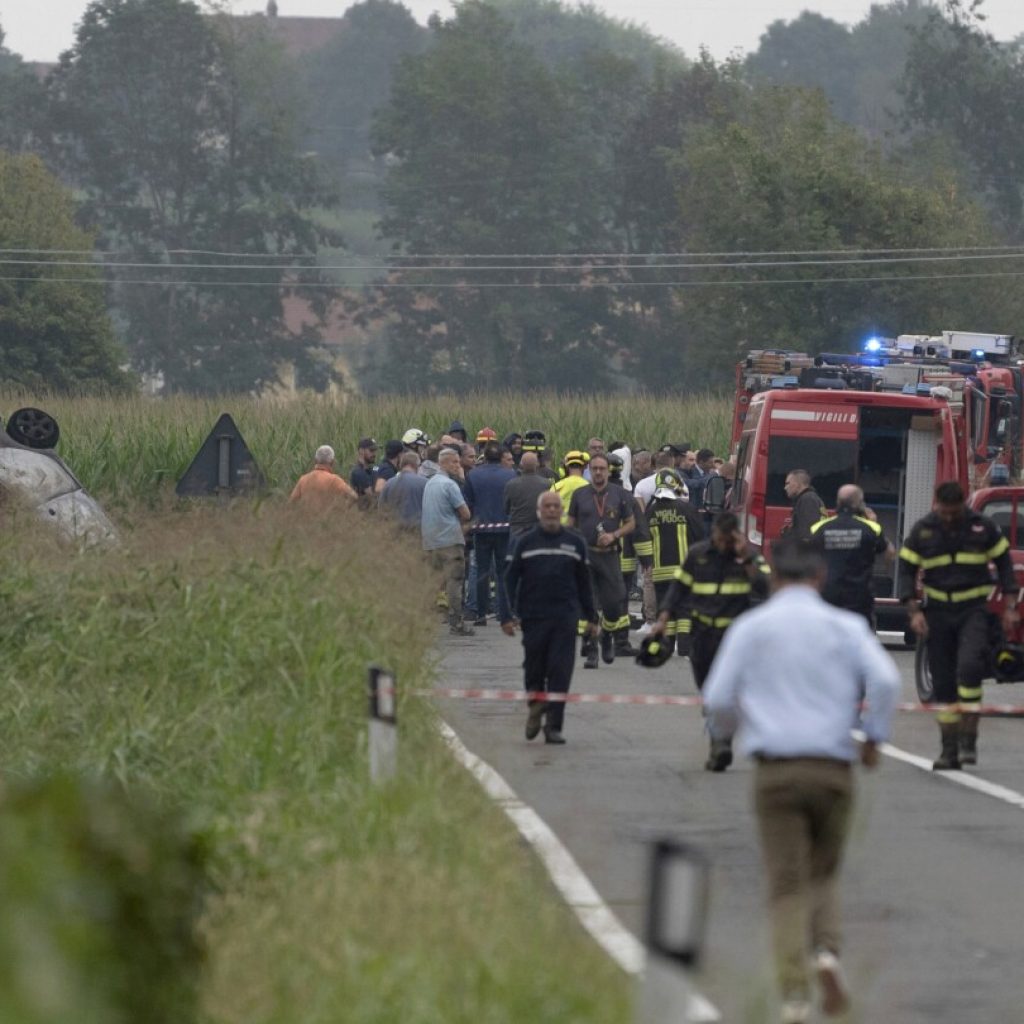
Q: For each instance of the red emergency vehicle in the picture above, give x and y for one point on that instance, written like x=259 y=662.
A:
x=896 y=447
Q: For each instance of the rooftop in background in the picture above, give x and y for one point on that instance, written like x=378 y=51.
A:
x=299 y=35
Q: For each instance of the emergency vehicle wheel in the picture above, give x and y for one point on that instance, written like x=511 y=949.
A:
x=922 y=673
x=33 y=428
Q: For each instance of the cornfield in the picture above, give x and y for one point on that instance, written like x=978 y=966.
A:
x=127 y=450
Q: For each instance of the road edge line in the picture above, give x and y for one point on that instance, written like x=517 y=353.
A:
x=960 y=778
x=575 y=887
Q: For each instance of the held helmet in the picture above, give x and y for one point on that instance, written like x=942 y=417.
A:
x=1008 y=662
x=534 y=441
x=669 y=484
x=415 y=438
x=486 y=434
x=615 y=467
x=654 y=651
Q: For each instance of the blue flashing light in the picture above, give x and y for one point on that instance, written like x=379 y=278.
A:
x=978 y=353
x=872 y=345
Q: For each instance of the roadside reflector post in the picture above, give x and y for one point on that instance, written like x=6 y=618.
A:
x=677 y=910
x=382 y=737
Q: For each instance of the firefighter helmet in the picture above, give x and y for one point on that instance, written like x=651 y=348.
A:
x=669 y=484
x=534 y=441
x=485 y=434
x=575 y=458
x=415 y=438
x=654 y=651
x=1008 y=662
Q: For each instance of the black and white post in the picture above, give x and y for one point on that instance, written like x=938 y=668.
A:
x=677 y=910
x=382 y=736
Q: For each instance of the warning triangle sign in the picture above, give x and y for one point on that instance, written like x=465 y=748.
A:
x=223 y=465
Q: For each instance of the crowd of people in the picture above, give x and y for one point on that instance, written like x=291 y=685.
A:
x=558 y=552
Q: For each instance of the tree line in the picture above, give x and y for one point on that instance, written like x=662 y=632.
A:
x=520 y=195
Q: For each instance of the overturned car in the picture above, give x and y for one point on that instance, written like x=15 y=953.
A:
x=34 y=476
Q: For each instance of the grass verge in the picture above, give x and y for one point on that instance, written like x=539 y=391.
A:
x=217 y=662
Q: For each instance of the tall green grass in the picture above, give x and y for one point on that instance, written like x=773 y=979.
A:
x=136 y=449
x=216 y=661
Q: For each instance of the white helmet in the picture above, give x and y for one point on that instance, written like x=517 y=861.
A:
x=415 y=438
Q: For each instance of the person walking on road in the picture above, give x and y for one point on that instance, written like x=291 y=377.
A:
x=674 y=527
x=549 y=590
x=444 y=513
x=952 y=547
x=716 y=584
x=603 y=513
x=808 y=508
x=849 y=542
x=521 y=495
x=794 y=675
x=485 y=496
x=321 y=489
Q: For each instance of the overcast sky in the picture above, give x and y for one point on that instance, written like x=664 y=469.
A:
x=40 y=29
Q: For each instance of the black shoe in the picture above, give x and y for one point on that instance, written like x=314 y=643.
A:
x=607 y=647
x=553 y=736
x=591 y=661
x=719 y=757
x=946 y=763
x=624 y=649
x=479 y=622
x=533 y=718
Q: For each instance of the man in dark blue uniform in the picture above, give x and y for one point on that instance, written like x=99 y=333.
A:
x=549 y=591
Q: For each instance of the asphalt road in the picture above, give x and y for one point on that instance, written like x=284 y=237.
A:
x=933 y=885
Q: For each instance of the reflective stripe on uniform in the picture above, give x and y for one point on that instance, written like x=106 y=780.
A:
x=970 y=693
x=870 y=524
x=934 y=563
x=948 y=717
x=998 y=548
x=643 y=547
x=721 y=588
x=707 y=620
x=956 y=596
x=971 y=558
x=911 y=556
x=684 y=577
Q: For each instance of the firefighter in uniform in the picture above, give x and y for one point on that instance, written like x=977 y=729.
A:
x=573 y=464
x=849 y=542
x=675 y=526
x=718 y=581
x=952 y=547
x=603 y=513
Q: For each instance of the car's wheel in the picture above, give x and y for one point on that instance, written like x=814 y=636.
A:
x=922 y=673
x=33 y=428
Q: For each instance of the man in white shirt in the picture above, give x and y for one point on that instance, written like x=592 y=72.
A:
x=793 y=675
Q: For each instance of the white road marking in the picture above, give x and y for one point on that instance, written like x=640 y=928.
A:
x=961 y=778
x=576 y=889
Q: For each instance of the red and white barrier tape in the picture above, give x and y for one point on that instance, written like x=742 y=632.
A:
x=655 y=699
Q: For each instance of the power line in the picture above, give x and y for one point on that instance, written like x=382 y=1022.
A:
x=749 y=253
x=589 y=285
x=463 y=268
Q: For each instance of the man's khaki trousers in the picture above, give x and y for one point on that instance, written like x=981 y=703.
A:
x=803 y=811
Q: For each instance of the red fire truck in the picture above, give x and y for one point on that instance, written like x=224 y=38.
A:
x=897 y=447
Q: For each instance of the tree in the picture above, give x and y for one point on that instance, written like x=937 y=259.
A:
x=20 y=101
x=350 y=77
x=859 y=68
x=53 y=322
x=785 y=177
x=184 y=133
x=964 y=86
x=491 y=156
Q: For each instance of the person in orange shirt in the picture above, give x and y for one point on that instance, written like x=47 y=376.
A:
x=322 y=488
